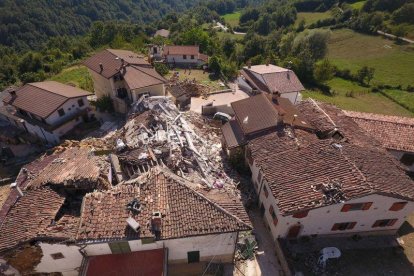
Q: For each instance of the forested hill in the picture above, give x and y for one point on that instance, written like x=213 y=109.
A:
x=26 y=24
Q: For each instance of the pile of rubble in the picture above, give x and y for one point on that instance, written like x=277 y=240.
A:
x=156 y=133
x=189 y=88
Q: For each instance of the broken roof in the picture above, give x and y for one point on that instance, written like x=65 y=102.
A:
x=232 y=134
x=31 y=217
x=184 y=212
x=255 y=114
x=74 y=167
x=111 y=61
x=181 y=50
x=271 y=78
x=295 y=162
x=43 y=98
x=394 y=132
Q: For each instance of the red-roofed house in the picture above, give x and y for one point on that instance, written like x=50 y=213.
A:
x=48 y=109
x=268 y=78
x=178 y=55
x=124 y=77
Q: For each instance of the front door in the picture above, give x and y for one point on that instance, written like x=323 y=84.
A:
x=294 y=231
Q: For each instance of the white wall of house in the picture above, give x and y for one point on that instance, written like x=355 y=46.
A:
x=67 y=265
x=101 y=85
x=154 y=90
x=399 y=154
x=292 y=96
x=70 y=107
x=42 y=134
x=320 y=221
x=180 y=59
x=220 y=245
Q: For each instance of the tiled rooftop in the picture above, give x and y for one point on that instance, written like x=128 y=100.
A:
x=394 y=132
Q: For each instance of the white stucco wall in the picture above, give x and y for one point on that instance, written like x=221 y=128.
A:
x=70 y=107
x=320 y=221
x=180 y=59
x=68 y=265
x=292 y=96
x=42 y=134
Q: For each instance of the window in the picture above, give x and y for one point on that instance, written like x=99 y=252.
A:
x=192 y=56
x=81 y=103
x=121 y=93
x=407 y=159
x=57 y=256
x=184 y=56
x=249 y=156
x=343 y=226
x=384 y=223
x=266 y=192
x=119 y=247
x=61 y=112
x=273 y=214
x=193 y=257
x=301 y=214
x=398 y=206
x=356 y=207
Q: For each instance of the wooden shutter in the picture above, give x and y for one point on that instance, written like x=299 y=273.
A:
x=367 y=206
x=301 y=214
x=351 y=225
x=392 y=222
x=335 y=227
x=271 y=210
x=398 y=206
x=376 y=224
x=266 y=192
x=346 y=208
x=275 y=221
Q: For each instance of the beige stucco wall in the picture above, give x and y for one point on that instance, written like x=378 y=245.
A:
x=101 y=85
x=154 y=90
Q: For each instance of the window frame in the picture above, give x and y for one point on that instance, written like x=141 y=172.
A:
x=81 y=102
x=347 y=226
x=381 y=223
x=184 y=56
x=192 y=57
x=197 y=256
x=57 y=256
x=397 y=206
x=360 y=206
x=265 y=191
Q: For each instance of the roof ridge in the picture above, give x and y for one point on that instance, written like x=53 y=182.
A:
x=379 y=117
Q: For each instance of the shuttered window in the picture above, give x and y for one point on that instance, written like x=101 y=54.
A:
x=398 y=206
x=119 y=247
x=259 y=177
x=356 y=207
x=384 y=223
x=343 y=226
x=301 y=214
x=249 y=157
x=273 y=214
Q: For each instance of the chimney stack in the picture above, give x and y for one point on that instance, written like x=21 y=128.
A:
x=101 y=66
x=14 y=186
x=12 y=93
x=156 y=221
x=249 y=64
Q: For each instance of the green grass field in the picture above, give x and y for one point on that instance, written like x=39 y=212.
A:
x=394 y=64
x=362 y=100
x=77 y=75
x=358 y=5
x=311 y=17
x=232 y=18
x=402 y=97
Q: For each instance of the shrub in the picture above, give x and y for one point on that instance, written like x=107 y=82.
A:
x=161 y=69
x=105 y=104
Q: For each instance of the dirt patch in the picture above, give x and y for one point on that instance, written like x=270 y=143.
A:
x=25 y=259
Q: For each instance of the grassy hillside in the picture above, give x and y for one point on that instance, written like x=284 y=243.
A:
x=358 y=5
x=351 y=96
x=311 y=17
x=232 y=18
x=394 y=64
x=76 y=75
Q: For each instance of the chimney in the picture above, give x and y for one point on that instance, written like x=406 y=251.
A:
x=156 y=221
x=275 y=96
x=14 y=186
x=12 y=93
x=101 y=66
x=249 y=64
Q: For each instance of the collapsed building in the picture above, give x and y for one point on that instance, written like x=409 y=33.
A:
x=153 y=190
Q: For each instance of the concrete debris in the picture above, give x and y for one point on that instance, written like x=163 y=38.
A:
x=332 y=192
x=158 y=134
x=189 y=88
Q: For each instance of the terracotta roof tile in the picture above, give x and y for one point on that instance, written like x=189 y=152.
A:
x=43 y=98
x=139 y=77
x=232 y=134
x=184 y=211
x=394 y=132
x=181 y=50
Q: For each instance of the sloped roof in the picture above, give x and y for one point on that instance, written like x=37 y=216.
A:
x=31 y=217
x=181 y=50
x=111 y=61
x=275 y=79
x=184 y=212
x=394 y=132
x=43 y=98
x=255 y=114
x=139 y=77
x=232 y=134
